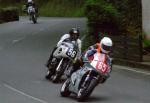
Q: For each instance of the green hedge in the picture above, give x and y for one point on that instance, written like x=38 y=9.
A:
x=103 y=17
x=9 y=14
x=114 y=16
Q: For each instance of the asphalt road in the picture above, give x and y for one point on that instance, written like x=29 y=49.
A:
x=24 y=49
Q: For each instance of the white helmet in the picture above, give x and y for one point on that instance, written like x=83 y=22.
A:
x=106 y=44
x=30 y=1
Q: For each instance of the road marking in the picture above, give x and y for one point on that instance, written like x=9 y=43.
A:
x=133 y=70
x=22 y=93
x=18 y=40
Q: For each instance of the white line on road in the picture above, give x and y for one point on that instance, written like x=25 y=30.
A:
x=133 y=70
x=22 y=93
x=18 y=40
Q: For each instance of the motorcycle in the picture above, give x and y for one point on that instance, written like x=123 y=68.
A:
x=32 y=14
x=63 y=58
x=83 y=81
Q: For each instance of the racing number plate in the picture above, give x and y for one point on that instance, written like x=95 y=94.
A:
x=71 y=53
x=102 y=67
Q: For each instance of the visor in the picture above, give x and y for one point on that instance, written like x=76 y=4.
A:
x=75 y=32
x=107 y=48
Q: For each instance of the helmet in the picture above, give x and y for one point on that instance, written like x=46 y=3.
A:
x=30 y=1
x=74 y=33
x=106 y=44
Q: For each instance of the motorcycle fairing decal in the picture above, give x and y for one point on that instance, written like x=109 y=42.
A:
x=71 y=53
x=102 y=67
x=99 y=63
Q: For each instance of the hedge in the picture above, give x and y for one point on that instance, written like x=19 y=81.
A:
x=9 y=14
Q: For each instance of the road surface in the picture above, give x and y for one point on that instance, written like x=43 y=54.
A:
x=24 y=49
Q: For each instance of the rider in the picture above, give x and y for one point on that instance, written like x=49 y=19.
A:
x=31 y=3
x=73 y=36
x=104 y=48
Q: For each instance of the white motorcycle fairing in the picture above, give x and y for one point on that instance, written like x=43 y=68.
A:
x=31 y=9
x=65 y=50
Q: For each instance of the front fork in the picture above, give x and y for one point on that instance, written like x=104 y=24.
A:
x=88 y=79
x=58 y=67
x=52 y=65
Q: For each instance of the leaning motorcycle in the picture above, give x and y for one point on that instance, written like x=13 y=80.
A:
x=32 y=14
x=83 y=81
x=63 y=58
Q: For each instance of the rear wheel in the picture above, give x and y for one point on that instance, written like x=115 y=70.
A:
x=34 y=18
x=65 y=89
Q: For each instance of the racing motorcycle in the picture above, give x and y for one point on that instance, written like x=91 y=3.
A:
x=32 y=14
x=63 y=57
x=83 y=81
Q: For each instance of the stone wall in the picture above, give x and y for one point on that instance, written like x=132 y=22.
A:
x=146 y=17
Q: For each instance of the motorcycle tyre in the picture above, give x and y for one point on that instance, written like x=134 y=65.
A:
x=48 y=76
x=86 y=92
x=34 y=19
x=56 y=78
x=50 y=73
x=65 y=89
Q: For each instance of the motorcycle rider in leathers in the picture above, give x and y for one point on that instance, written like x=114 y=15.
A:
x=73 y=36
x=31 y=3
x=104 y=48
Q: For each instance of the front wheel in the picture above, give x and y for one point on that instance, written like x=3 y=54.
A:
x=59 y=71
x=81 y=95
x=65 y=89
x=48 y=75
x=86 y=91
x=50 y=71
x=56 y=78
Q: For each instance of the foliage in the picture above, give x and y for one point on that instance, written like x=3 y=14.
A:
x=103 y=17
x=100 y=10
x=146 y=43
x=130 y=9
x=9 y=14
x=114 y=17
x=87 y=41
x=65 y=8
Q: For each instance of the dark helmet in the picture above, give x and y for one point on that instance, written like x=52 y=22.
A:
x=74 y=33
